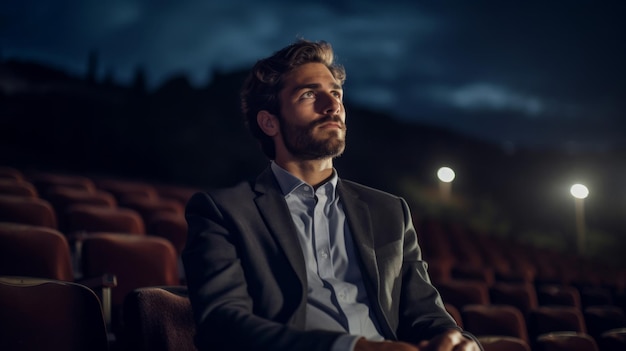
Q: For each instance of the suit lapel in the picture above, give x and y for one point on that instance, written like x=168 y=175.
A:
x=271 y=204
x=359 y=221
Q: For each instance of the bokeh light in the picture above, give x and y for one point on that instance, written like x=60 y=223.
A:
x=579 y=191
x=445 y=174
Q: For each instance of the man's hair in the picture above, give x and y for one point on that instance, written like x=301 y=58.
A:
x=261 y=89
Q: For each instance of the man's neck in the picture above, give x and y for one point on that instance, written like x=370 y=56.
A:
x=312 y=172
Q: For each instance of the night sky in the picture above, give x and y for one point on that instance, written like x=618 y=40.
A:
x=517 y=73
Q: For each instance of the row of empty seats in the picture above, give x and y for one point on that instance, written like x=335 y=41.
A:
x=534 y=298
x=109 y=235
x=76 y=204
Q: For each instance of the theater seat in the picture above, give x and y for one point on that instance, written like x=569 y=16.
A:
x=566 y=341
x=41 y=314
x=89 y=218
x=159 y=319
x=124 y=188
x=27 y=210
x=7 y=172
x=45 y=180
x=41 y=252
x=548 y=319
x=17 y=188
x=600 y=319
x=464 y=292
x=489 y=320
x=521 y=295
x=503 y=343
x=171 y=226
x=34 y=251
x=556 y=294
x=613 y=340
x=136 y=260
x=148 y=208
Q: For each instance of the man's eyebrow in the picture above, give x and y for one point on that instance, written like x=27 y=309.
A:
x=314 y=86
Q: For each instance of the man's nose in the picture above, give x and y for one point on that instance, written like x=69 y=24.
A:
x=331 y=104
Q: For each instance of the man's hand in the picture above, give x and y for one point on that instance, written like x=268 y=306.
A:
x=452 y=340
x=365 y=345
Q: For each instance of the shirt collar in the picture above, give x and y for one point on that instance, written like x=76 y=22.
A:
x=288 y=182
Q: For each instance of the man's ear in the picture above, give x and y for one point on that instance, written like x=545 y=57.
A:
x=267 y=122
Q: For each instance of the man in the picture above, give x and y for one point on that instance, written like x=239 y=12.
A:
x=299 y=259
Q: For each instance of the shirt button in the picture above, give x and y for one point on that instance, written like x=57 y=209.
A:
x=342 y=296
x=324 y=253
x=306 y=188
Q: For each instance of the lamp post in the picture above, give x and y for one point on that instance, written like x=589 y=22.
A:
x=580 y=192
x=446 y=176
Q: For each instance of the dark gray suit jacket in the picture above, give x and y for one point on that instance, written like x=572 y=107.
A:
x=247 y=280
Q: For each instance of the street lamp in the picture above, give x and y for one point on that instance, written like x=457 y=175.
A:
x=446 y=176
x=580 y=192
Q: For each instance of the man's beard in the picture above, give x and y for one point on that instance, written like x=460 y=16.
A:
x=301 y=142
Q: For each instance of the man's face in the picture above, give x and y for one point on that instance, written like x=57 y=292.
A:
x=312 y=115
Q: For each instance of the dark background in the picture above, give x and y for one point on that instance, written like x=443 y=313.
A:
x=521 y=99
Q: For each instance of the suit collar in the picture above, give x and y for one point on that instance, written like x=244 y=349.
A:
x=272 y=207
x=360 y=223
x=271 y=204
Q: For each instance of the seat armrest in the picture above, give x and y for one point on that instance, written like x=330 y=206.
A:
x=102 y=285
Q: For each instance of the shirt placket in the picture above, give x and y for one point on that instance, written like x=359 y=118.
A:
x=322 y=237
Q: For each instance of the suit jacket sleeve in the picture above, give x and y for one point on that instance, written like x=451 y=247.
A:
x=405 y=302
x=422 y=312
x=219 y=290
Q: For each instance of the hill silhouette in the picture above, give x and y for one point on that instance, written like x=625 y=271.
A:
x=178 y=133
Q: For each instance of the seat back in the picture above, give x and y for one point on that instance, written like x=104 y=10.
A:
x=89 y=218
x=464 y=292
x=41 y=314
x=556 y=294
x=566 y=341
x=503 y=343
x=521 y=295
x=62 y=197
x=549 y=319
x=489 y=320
x=159 y=319
x=27 y=210
x=613 y=340
x=136 y=260
x=602 y=318
x=149 y=207
x=17 y=188
x=171 y=226
x=123 y=188
x=34 y=251
x=7 y=172
x=43 y=181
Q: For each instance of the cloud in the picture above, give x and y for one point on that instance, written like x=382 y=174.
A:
x=420 y=61
x=485 y=96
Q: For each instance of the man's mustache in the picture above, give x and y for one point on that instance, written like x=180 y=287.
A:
x=328 y=119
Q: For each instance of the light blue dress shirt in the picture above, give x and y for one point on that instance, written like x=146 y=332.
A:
x=337 y=299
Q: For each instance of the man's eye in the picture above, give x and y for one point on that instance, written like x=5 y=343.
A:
x=308 y=94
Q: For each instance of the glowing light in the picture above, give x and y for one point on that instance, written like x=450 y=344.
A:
x=445 y=174
x=579 y=191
